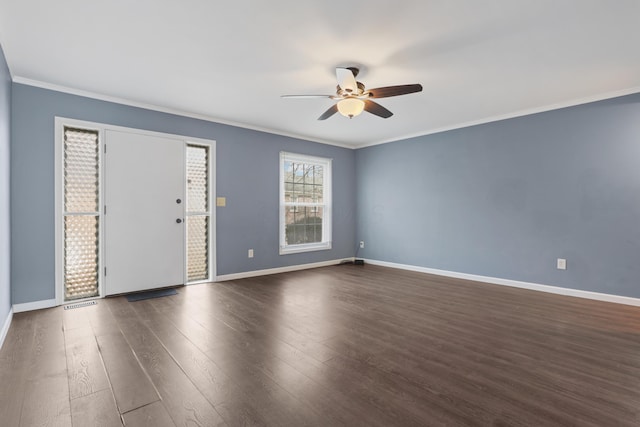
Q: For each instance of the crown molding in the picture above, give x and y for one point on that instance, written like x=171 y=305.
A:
x=490 y=119
x=520 y=113
x=182 y=113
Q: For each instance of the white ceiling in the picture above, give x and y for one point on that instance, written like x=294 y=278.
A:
x=230 y=61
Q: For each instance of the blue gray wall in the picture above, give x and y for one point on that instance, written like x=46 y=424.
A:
x=246 y=174
x=5 y=235
x=505 y=199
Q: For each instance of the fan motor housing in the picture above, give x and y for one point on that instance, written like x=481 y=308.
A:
x=341 y=92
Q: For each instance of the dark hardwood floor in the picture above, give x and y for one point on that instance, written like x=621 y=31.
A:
x=336 y=346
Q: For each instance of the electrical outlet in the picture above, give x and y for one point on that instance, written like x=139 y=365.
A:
x=361 y=244
x=250 y=253
x=561 y=264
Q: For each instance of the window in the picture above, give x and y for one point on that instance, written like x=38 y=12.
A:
x=305 y=203
x=198 y=213
x=81 y=213
x=295 y=207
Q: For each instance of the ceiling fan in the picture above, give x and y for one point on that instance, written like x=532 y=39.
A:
x=353 y=98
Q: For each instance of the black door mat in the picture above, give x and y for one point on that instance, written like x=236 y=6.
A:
x=151 y=294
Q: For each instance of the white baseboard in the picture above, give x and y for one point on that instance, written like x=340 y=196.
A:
x=513 y=283
x=36 y=305
x=268 y=271
x=5 y=327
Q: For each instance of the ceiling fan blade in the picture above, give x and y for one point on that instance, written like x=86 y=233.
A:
x=330 y=112
x=377 y=109
x=346 y=80
x=387 y=91
x=307 y=96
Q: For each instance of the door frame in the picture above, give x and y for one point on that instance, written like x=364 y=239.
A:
x=101 y=128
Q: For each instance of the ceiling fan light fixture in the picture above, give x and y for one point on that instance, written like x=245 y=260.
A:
x=353 y=98
x=350 y=107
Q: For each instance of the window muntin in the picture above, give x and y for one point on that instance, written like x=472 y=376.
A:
x=305 y=203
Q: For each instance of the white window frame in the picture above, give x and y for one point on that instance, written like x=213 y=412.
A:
x=59 y=213
x=210 y=212
x=326 y=205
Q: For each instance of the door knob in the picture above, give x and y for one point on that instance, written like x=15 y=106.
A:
x=178 y=220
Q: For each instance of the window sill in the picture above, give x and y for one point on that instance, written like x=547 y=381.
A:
x=310 y=247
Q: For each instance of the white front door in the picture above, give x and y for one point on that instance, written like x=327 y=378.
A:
x=144 y=220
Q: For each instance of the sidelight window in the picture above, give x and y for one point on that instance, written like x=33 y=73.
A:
x=198 y=212
x=81 y=213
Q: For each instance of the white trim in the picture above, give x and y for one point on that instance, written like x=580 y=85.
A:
x=211 y=213
x=526 y=112
x=327 y=204
x=168 y=110
x=305 y=247
x=185 y=231
x=59 y=214
x=255 y=273
x=513 y=283
x=115 y=128
x=102 y=128
x=500 y=117
x=5 y=327
x=35 y=305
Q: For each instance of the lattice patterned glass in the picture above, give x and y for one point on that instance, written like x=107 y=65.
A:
x=81 y=173
x=197 y=248
x=197 y=178
x=80 y=256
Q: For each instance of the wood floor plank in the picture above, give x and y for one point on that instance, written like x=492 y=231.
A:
x=525 y=375
x=48 y=334
x=213 y=382
x=14 y=363
x=314 y=404
x=101 y=319
x=239 y=403
x=275 y=403
x=259 y=373
x=351 y=345
x=131 y=386
x=152 y=415
x=95 y=410
x=257 y=312
x=339 y=346
x=76 y=318
x=46 y=400
x=85 y=368
x=185 y=404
